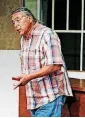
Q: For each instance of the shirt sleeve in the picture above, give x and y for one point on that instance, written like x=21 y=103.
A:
x=52 y=49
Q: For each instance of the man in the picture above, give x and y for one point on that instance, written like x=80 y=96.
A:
x=43 y=68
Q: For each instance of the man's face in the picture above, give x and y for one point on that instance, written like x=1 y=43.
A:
x=21 y=22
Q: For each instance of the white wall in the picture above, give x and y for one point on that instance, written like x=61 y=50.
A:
x=76 y=74
x=9 y=98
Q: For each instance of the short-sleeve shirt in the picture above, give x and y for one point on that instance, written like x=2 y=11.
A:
x=41 y=48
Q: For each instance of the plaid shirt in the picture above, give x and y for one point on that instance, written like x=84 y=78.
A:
x=42 y=47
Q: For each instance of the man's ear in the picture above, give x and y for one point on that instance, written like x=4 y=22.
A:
x=30 y=18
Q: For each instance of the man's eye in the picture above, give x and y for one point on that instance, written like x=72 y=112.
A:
x=13 y=22
x=18 y=20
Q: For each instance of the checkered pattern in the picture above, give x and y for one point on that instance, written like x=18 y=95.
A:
x=42 y=48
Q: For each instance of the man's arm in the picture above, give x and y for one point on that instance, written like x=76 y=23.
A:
x=46 y=70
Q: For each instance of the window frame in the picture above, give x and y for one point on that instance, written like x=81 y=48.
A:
x=82 y=31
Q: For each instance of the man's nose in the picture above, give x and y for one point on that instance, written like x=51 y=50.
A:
x=16 y=24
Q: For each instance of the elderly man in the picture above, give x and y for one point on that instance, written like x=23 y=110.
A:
x=43 y=68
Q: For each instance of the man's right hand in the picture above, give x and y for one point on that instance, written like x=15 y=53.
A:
x=16 y=78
